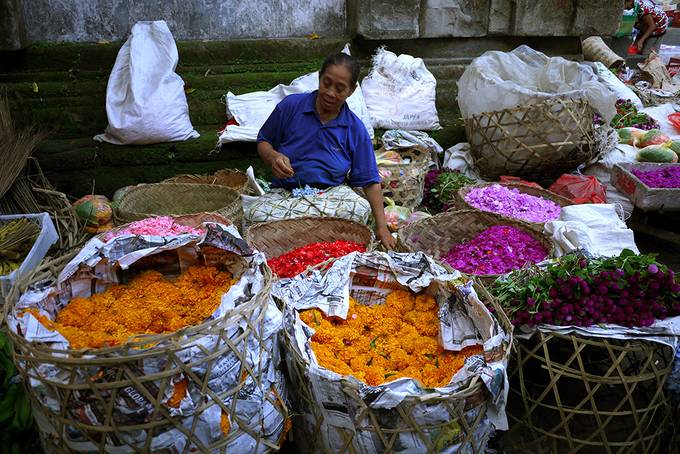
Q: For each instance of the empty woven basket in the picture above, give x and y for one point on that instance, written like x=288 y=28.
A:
x=174 y=199
x=231 y=178
x=437 y=235
x=275 y=238
x=536 y=142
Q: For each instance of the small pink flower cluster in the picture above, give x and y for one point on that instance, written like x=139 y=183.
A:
x=157 y=226
x=512 y=203
x=497 y=250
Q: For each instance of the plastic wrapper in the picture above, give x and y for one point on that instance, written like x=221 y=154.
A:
x=580 y=188
x=224 y=369
x=395 y=215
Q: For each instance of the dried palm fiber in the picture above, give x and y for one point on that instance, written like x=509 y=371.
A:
x=174 y=199
x=405 y=183
x=225 y=362
x=275 y=238
x=231 y=178
x=33 y=193
x=523 y=188
x=575 y=393
x=436 y=235
x=537 y=142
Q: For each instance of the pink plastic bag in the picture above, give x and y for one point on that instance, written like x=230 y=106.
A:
x=580 y=188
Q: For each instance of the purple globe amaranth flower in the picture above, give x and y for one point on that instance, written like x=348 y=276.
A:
x=652 y=269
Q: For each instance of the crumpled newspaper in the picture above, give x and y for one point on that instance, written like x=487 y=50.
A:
x=395 y=139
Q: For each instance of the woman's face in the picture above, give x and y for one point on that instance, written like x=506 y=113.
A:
x=335 y=86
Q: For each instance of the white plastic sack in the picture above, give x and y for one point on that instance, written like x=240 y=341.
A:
x=596 y=228
x=145 y=100
x=502 y=80
x=400 y=93
x=618 y=88
x=458 y=158
x=251 y=110
x=660 y=113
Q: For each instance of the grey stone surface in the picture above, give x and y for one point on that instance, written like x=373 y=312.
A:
x=565 y=17
x=501 y=13
x=12 y=31
x=597 y=18
x=112 y=20
x=454 y=18
x=396 y=19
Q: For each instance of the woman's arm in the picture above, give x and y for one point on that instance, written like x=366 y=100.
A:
x=279 y=162
x=648 y=27
x=375 y=198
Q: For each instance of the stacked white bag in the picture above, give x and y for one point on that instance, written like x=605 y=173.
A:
x=145 y=100
x=400 y=93
x=251 y=110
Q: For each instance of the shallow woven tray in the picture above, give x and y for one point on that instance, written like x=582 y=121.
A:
x=526 y=189
x=275 y=238
x=231 y=178
x=536 y=142
x=437 y=235
x=174 y=199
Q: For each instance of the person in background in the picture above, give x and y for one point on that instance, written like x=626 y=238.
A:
x=315 y=139
x=652 y=23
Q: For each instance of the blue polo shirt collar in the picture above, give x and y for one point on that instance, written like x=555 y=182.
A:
x=310 y=107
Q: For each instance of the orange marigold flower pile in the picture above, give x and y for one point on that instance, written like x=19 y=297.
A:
x=148 y=304
x=384 y=342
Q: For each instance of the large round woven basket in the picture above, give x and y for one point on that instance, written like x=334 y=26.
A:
x=169 y=199
x=438 y=234
x=275 y=238
x=523 y=188
x=572 y=393
x=537 y=142
x=232 y=178
x=83 y=400
x=405 y=183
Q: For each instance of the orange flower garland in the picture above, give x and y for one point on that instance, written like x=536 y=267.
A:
x=149 y=304
x=384 y=342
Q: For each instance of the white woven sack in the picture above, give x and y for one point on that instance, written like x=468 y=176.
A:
x=400 y=93
x=145 y=100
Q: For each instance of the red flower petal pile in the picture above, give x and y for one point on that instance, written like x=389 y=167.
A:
x=296 y=261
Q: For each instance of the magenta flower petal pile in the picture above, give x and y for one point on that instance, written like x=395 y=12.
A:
x=512 y=203
x=496 y=250
x=157 y=226
x=663 y=177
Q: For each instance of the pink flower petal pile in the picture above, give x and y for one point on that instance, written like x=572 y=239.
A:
x=497 y=250
x=512 y=203
x=157 y=226
x=664 y=177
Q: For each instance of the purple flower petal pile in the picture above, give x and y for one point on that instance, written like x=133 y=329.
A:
x=513 y=203
x=497 y=250
x=664 y=177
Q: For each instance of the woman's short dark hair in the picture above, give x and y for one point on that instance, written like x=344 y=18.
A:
x=345 y=60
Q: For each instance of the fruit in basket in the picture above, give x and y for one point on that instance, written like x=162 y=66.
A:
x=657 y=153
x=629 y=136
x=93 y=210
x=675 y=146
x=654 y=137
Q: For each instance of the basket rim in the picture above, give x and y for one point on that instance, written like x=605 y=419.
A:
x=554 y=98
x=493 y=218
x=252 y=239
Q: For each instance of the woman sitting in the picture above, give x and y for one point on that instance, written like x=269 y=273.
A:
x=314 y=139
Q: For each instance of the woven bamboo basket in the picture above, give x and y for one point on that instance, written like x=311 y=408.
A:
x=173 y=199
x=537 y=142
x=405 y=183
x=85 y=407
x=436 y=236
x=368 y=429
x=523 y=188
x=275 y=238
x=572 y=393
x=231 y=178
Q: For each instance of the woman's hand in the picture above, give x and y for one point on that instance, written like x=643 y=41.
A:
x=385 y=237
x=281 y=167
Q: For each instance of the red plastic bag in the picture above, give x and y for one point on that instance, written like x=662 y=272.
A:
x=580 y=188
x=509 y=179
x=674 y=119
